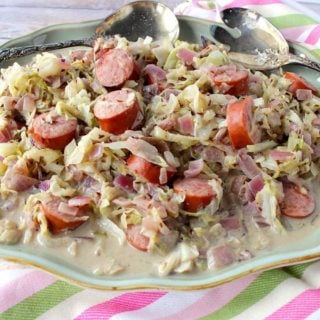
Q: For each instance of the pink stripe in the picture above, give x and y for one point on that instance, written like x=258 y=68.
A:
x=130 y=301
x=241 y=3
x=294 y=33
x=314 y=36
x=213 y=300
x=300 y=307
x=23 y=287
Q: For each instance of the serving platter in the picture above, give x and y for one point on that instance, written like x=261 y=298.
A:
x=309 y=249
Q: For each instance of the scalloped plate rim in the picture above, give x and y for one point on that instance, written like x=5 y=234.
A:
x=68 y=273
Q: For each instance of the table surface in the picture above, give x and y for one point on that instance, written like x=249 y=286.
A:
x=19 y=17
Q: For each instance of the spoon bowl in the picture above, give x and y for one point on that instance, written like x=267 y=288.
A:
x=259 y=45
x=134 y=20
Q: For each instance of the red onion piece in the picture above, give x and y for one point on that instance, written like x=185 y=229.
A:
x=256 y=185
x=247 y=164
x=195 y=168
x=96 y=152
x=44 y=185
x=278 y=155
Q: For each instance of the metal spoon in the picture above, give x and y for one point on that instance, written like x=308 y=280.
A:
x=134 y=20
x=259 y=45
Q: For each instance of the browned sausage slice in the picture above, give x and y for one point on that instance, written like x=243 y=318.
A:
x=114 y=67
x=59 y=221
x=53 y=132
x=297 y=202
x=117 y=111
x=136 y=238
x=198 y=193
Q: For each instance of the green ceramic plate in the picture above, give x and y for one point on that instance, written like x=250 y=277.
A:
x=309 y=249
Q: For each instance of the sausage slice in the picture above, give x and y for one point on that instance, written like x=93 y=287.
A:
x=53 y=132
x=117 y=111
x=297 y=202
x=59 y=222
x=114 y=67
x=198 y=193
x=136 y=239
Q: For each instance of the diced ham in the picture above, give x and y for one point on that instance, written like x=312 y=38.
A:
x=213 y=155
x=273 y=103
x=17 y=177
x=219 y=257
x=123 y=182
x=304 y=94
x=185 y=124
x=195 y=168
x=26 y=103
x=155 y=75
x=186 y=56
x=168 y=123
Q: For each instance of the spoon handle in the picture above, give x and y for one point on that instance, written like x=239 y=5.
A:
x=16 y=52
x=304 y=61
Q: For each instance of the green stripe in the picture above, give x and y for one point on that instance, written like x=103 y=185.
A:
x=291 y=20
x=40 y=302
x=298 y=270
x=257 y=290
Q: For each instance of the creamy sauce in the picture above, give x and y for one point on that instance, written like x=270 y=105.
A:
x=102 y=254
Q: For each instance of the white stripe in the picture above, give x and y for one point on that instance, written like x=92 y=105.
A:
x=170 y=304
x=7 y=276
x=281 y=295
x=314 y=316
x=273 y=10
x=76 y=304
x=302 y=8
x=312 y=276
x=305 y=34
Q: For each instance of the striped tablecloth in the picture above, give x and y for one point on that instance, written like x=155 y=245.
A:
x=288 y=293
